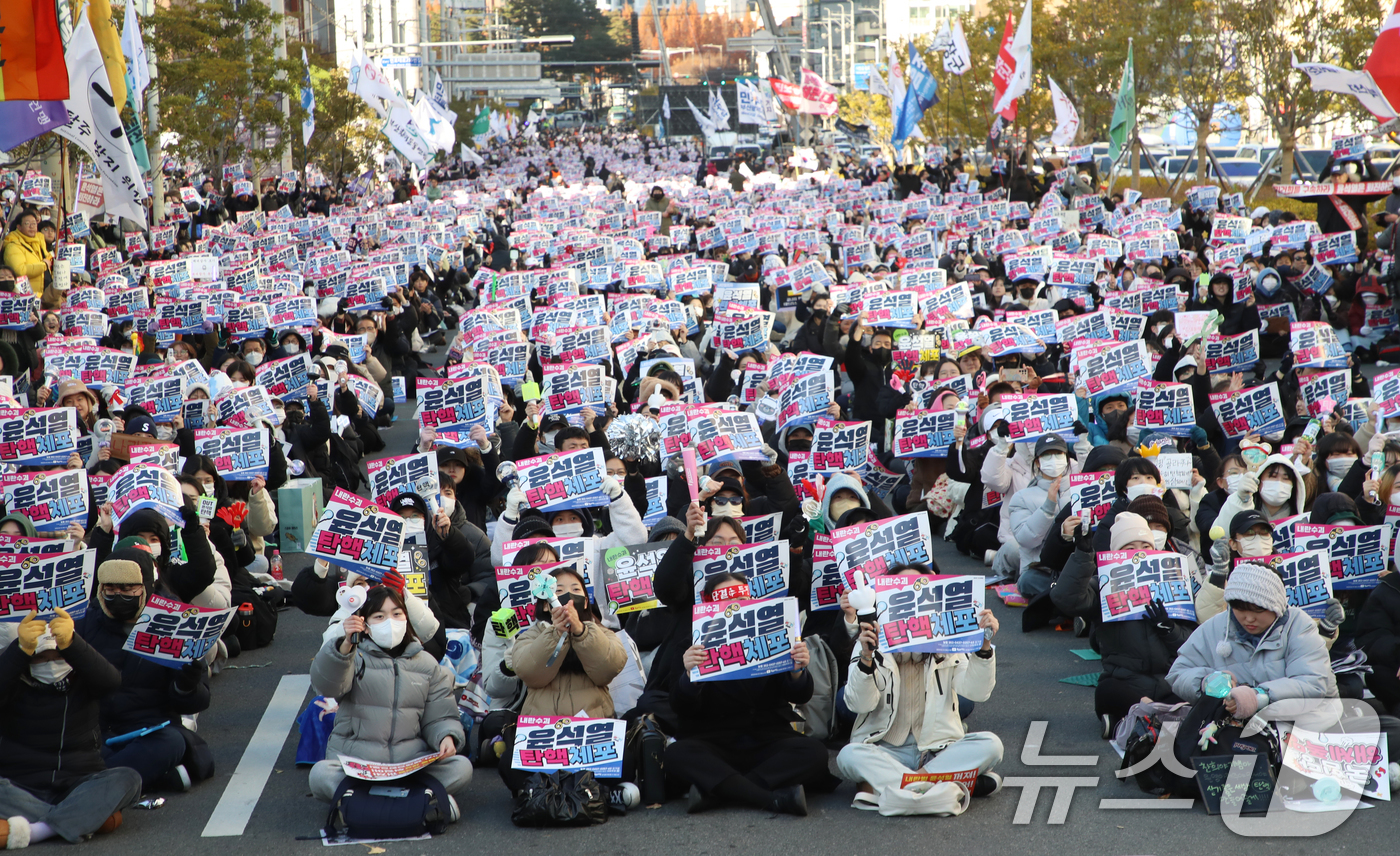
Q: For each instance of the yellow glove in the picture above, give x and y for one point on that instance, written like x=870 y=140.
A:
x=61 y=626
x=30 y=629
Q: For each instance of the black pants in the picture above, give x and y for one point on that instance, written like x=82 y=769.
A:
x=772 y=763
x=1115 y=696
x=1386 y=686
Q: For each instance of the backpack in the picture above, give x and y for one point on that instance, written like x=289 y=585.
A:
x=819 y=713
x=254 y=629
x=399 y=808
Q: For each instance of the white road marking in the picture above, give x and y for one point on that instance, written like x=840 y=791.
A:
x=236 y=806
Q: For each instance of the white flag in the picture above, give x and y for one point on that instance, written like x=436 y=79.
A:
x=666 y=107
x=706 y=126
x=469 y=155
x=957 y=59
x=134 y=49
x=432 y=123
x=95 y=126
x=719 y=111
x=750 y=104
x=308 y=99
x=897 y=98
x=439 y=91
x=1358 y=84
x=878 y=86
x=402 y=133
x=1020 y=79
x=368 y=80
x=1066 y=117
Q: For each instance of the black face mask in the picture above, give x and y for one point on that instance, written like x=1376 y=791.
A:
x=543 y=609
x=880 y=355
x=802 y=445
x=658 y=196
x=122 y=607
x=1116 y=424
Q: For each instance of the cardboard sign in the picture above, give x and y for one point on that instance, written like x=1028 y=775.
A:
x=1003 y=339
x=890 y=309
x=627 y=575
x=239 y=454
x=874 y=548
x=563 y=480
x=840 y=446
x=1355 y=554
x=388 y=477
x=1165 y=407
x=51 y=500
x=175 y=634
x=1357 y=761
x=138 y=486
x=163 y=397
x=580 y=552
x=1232 y=353
x=1315 y=345
x=805 y=400
x=937 y=614
x=287 y=378
x=46 y=583
x=455 y=404
x=357 y=535
x=767 y=567
x=1030 y=416
x=95 y=367
x=923 y=433
x=368 y=393
x=1176 y=470
x=762 y=528
x=547 y=743
x=1250 y=796
x=1305 y=576
x=1334 y=248
x=513 y=584
x=1116 y=369
x=744 y=638
x=1091 y=495
x=1129 y=580
x=1256 y=410
x=244 y=408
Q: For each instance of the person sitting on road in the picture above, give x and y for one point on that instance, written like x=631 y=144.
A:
x=52 y=778
x=396 y=702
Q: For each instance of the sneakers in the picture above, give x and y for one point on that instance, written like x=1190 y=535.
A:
x=791 y=800
x=1081 y=627
x=177 y=779
x=111 y=824
x=1105 y=726
x=989 y=557
x=866 y=802
x=454 y=813
x=987 y=784
x=623 y=796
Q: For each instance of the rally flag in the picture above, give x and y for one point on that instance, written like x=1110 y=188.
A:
x=707 y=127
x=921 y=95
x=439 y=91
x=135 y=135
x=1384 y=63
x=878 y=86
x=368 y=80
x=308 y=100
x=1066 y=117
x=897 y=98
x=818 y=96
x=1006 y=65
x=1124 y=109
x=666 y=107
x=32 y=47
x=134 y=49
x=95 y=125
x=1019 y=81
x=99 y=15
x=719 y=111
x=1358 y=84
x=957 y=59
x=482 y=125
x=22 y=121
x=750 y=103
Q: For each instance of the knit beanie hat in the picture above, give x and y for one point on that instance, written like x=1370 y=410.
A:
x=1128 y=527
x=1151 y=509
x=1258 y=585
x=532 y=523
x=666 y=526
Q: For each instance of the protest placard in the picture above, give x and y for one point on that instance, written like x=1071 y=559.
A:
x=1030 y=416
x=1232 y=353
x=455 y=404
x=548 y=743
x=240 y=454
x=175 y=634
x=1129 y=580
x=358 y=535
x=627 y=575
x=923 y=433
x=1315 y=345
x=719 y=436
x=766 y=567
x=937 y=614
x=138 y=486
x=1116 y=369
x=563 y=480
x=1356 y=760
x=876 y=547
x=46 y=583
x=805 y=399
x=377 y=771
x=1165 y=407
x=1305 y=576
x=1318 y=388
x=1256 y=410
x=744 y=638
x=286 y=378
x=51 y=500
x=1356 y=555
x=1091 y=495
x=417 y=473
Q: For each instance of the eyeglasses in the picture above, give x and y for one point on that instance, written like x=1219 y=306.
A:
x=112 y=588
x=729 y=500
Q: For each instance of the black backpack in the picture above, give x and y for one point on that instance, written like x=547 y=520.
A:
x=398 y=808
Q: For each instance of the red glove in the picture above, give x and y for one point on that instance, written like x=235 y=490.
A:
x=395 y=581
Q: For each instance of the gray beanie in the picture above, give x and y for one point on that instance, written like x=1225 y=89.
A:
x=1258 y=585
x=666 y=526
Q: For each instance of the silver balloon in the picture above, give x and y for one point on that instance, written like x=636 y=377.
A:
x=635 y=438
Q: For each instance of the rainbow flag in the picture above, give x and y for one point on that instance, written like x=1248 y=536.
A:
x=31 y=53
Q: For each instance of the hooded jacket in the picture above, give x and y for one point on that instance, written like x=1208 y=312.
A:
x=874 y=696
x=555 y=692
x=149 y=694
x=392 y=709
x=1289 y=662
x=1378 y=626
x=1356 y=318
x=841 y=481
x=1234 y=503
x=27 y=257
x=1031 y=513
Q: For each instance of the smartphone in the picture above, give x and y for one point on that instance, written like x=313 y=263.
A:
x=1017 y=375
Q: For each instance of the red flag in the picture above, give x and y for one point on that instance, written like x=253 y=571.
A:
x=788 y=93
x=1384 y=64
x=1006 y=66
x=33 y=68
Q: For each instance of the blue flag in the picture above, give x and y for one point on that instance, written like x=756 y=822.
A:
x=920 y=94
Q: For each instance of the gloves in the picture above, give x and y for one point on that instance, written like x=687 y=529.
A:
x=1198 y=437
x=1249 y=484
x=61 y=626
x=187 y=681
x=1156 y=615
x=675 y=467
x=239 y=538
x=770 y=453
x=612 y=488
x=30 y=629
x=1286 y=365
x=515 y=501
x=1336 y=614
x=1079 y=428
x=1246 y=701
x=395 y=581
x=1220 y=556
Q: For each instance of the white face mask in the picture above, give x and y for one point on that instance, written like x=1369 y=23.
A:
x=449 y=505
x=1253 y=546
x=1052 y=465
x=155 y=550
x=1137 y=490
x=568 y=530
x=1232 y=483
x=50 y=672
x=254 y=358
x=1159 y=540
x=547 y=439
x=292 y=347
x=1340 y=465
x=1275 y=492
x=413 y=527
x=1370 y=299
x=388 y=633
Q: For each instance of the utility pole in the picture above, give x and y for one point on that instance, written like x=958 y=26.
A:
x=153 y=128
x=666 y=77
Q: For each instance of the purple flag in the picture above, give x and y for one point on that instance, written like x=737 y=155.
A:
x=22 y=121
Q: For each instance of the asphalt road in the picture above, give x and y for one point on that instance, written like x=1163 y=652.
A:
x=1028 y=689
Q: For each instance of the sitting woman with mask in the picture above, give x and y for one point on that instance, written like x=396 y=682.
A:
x=565 y=659
x=396 y=703
x=1278 y=491
x=627 y=526
x=1137 y=477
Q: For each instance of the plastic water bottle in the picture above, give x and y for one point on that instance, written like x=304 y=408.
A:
x=274 y=566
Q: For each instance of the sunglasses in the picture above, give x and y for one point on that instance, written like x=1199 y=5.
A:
x=729 y=500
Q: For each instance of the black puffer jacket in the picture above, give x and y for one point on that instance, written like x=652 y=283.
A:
x=148 y=694
x=1130 y=649
x=48 y=736
x=1378 y=627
